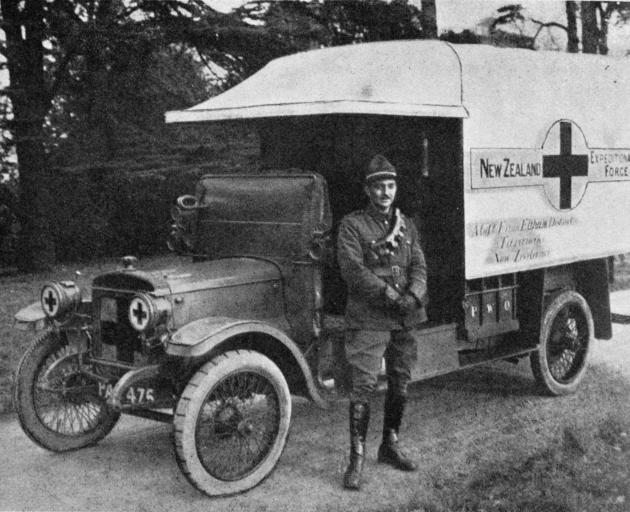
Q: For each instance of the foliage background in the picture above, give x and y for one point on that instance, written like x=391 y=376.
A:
x=91 y=80
x=123 y=207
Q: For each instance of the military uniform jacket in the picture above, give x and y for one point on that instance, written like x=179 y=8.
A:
x=367 y=273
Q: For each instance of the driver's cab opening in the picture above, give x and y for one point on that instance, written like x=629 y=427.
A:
x=427 y=153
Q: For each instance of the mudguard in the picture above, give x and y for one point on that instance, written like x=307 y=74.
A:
x=198 y=338
x=31 y=317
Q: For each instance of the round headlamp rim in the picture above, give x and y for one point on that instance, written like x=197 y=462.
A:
x=148 y=302
x=68 y=296
x=53 y=289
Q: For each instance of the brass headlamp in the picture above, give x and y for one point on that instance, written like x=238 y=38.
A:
x=146 y=312
x=60 y=298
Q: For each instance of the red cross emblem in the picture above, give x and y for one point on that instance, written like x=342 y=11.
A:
x=138 y=313
x=51 y=300
x=565 y=165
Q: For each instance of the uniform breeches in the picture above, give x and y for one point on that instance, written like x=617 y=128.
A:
x=365 y=351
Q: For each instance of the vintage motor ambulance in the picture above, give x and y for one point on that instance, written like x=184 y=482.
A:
x=515 y=165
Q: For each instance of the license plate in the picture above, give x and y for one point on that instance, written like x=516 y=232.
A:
x=135 y=395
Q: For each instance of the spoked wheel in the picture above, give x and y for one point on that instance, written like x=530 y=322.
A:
x=232 y=422
x=58 y=406
x=566 y=337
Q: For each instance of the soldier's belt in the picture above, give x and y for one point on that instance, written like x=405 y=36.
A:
x=393 y=271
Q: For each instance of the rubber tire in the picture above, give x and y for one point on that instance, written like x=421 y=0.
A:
x=538 y=359
x=23 y=401
x=189 y=406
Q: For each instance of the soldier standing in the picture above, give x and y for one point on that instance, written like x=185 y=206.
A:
x=384 y=268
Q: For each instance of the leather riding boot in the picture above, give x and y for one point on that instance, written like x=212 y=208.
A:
x=359 y=420
x=389 y=452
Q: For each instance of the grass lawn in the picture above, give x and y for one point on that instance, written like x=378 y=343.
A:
x=564 y=454
x=622 y=273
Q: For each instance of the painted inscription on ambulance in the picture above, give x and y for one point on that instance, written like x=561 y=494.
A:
x=518 y=240
x=522 y=167
x=563 y=176
x=507 y=168
x=609 y=164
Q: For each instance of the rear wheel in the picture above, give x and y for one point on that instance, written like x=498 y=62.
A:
x=57 y=405
x=232 y=422
x=566 y=337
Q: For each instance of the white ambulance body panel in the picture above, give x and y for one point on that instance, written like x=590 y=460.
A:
x=546 y=135
x=534 y=116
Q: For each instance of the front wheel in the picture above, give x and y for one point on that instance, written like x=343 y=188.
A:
x=57 y=404
x=232 y=422
x=566 y=337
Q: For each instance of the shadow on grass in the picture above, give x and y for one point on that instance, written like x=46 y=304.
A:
x=498 y=379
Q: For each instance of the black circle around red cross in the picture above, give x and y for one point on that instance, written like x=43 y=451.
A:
x=565 y=166
x=139 y=313
x=50 y=300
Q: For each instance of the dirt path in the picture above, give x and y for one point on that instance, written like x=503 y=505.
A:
x=456 y=424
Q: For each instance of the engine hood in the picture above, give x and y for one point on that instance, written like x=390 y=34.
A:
x=190 y=277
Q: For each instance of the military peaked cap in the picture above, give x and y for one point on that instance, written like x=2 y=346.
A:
x=380 y=169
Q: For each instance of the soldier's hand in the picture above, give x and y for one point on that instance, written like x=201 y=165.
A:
x=391 y=297
x=407 y=303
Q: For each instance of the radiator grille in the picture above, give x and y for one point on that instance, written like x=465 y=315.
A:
x=113 y=327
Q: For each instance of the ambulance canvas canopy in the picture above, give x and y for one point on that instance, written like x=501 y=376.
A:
x=508 y=97
x=421 y=78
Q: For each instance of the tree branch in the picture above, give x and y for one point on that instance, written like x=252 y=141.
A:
x=207 y=64
x=542 y=25
x=549 y=24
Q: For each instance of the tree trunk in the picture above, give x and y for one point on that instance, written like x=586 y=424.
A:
x=24 y=29
x=100 y=129
x=429 y=19
x=604 y=17
x=573 y=42
x=590 y=27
